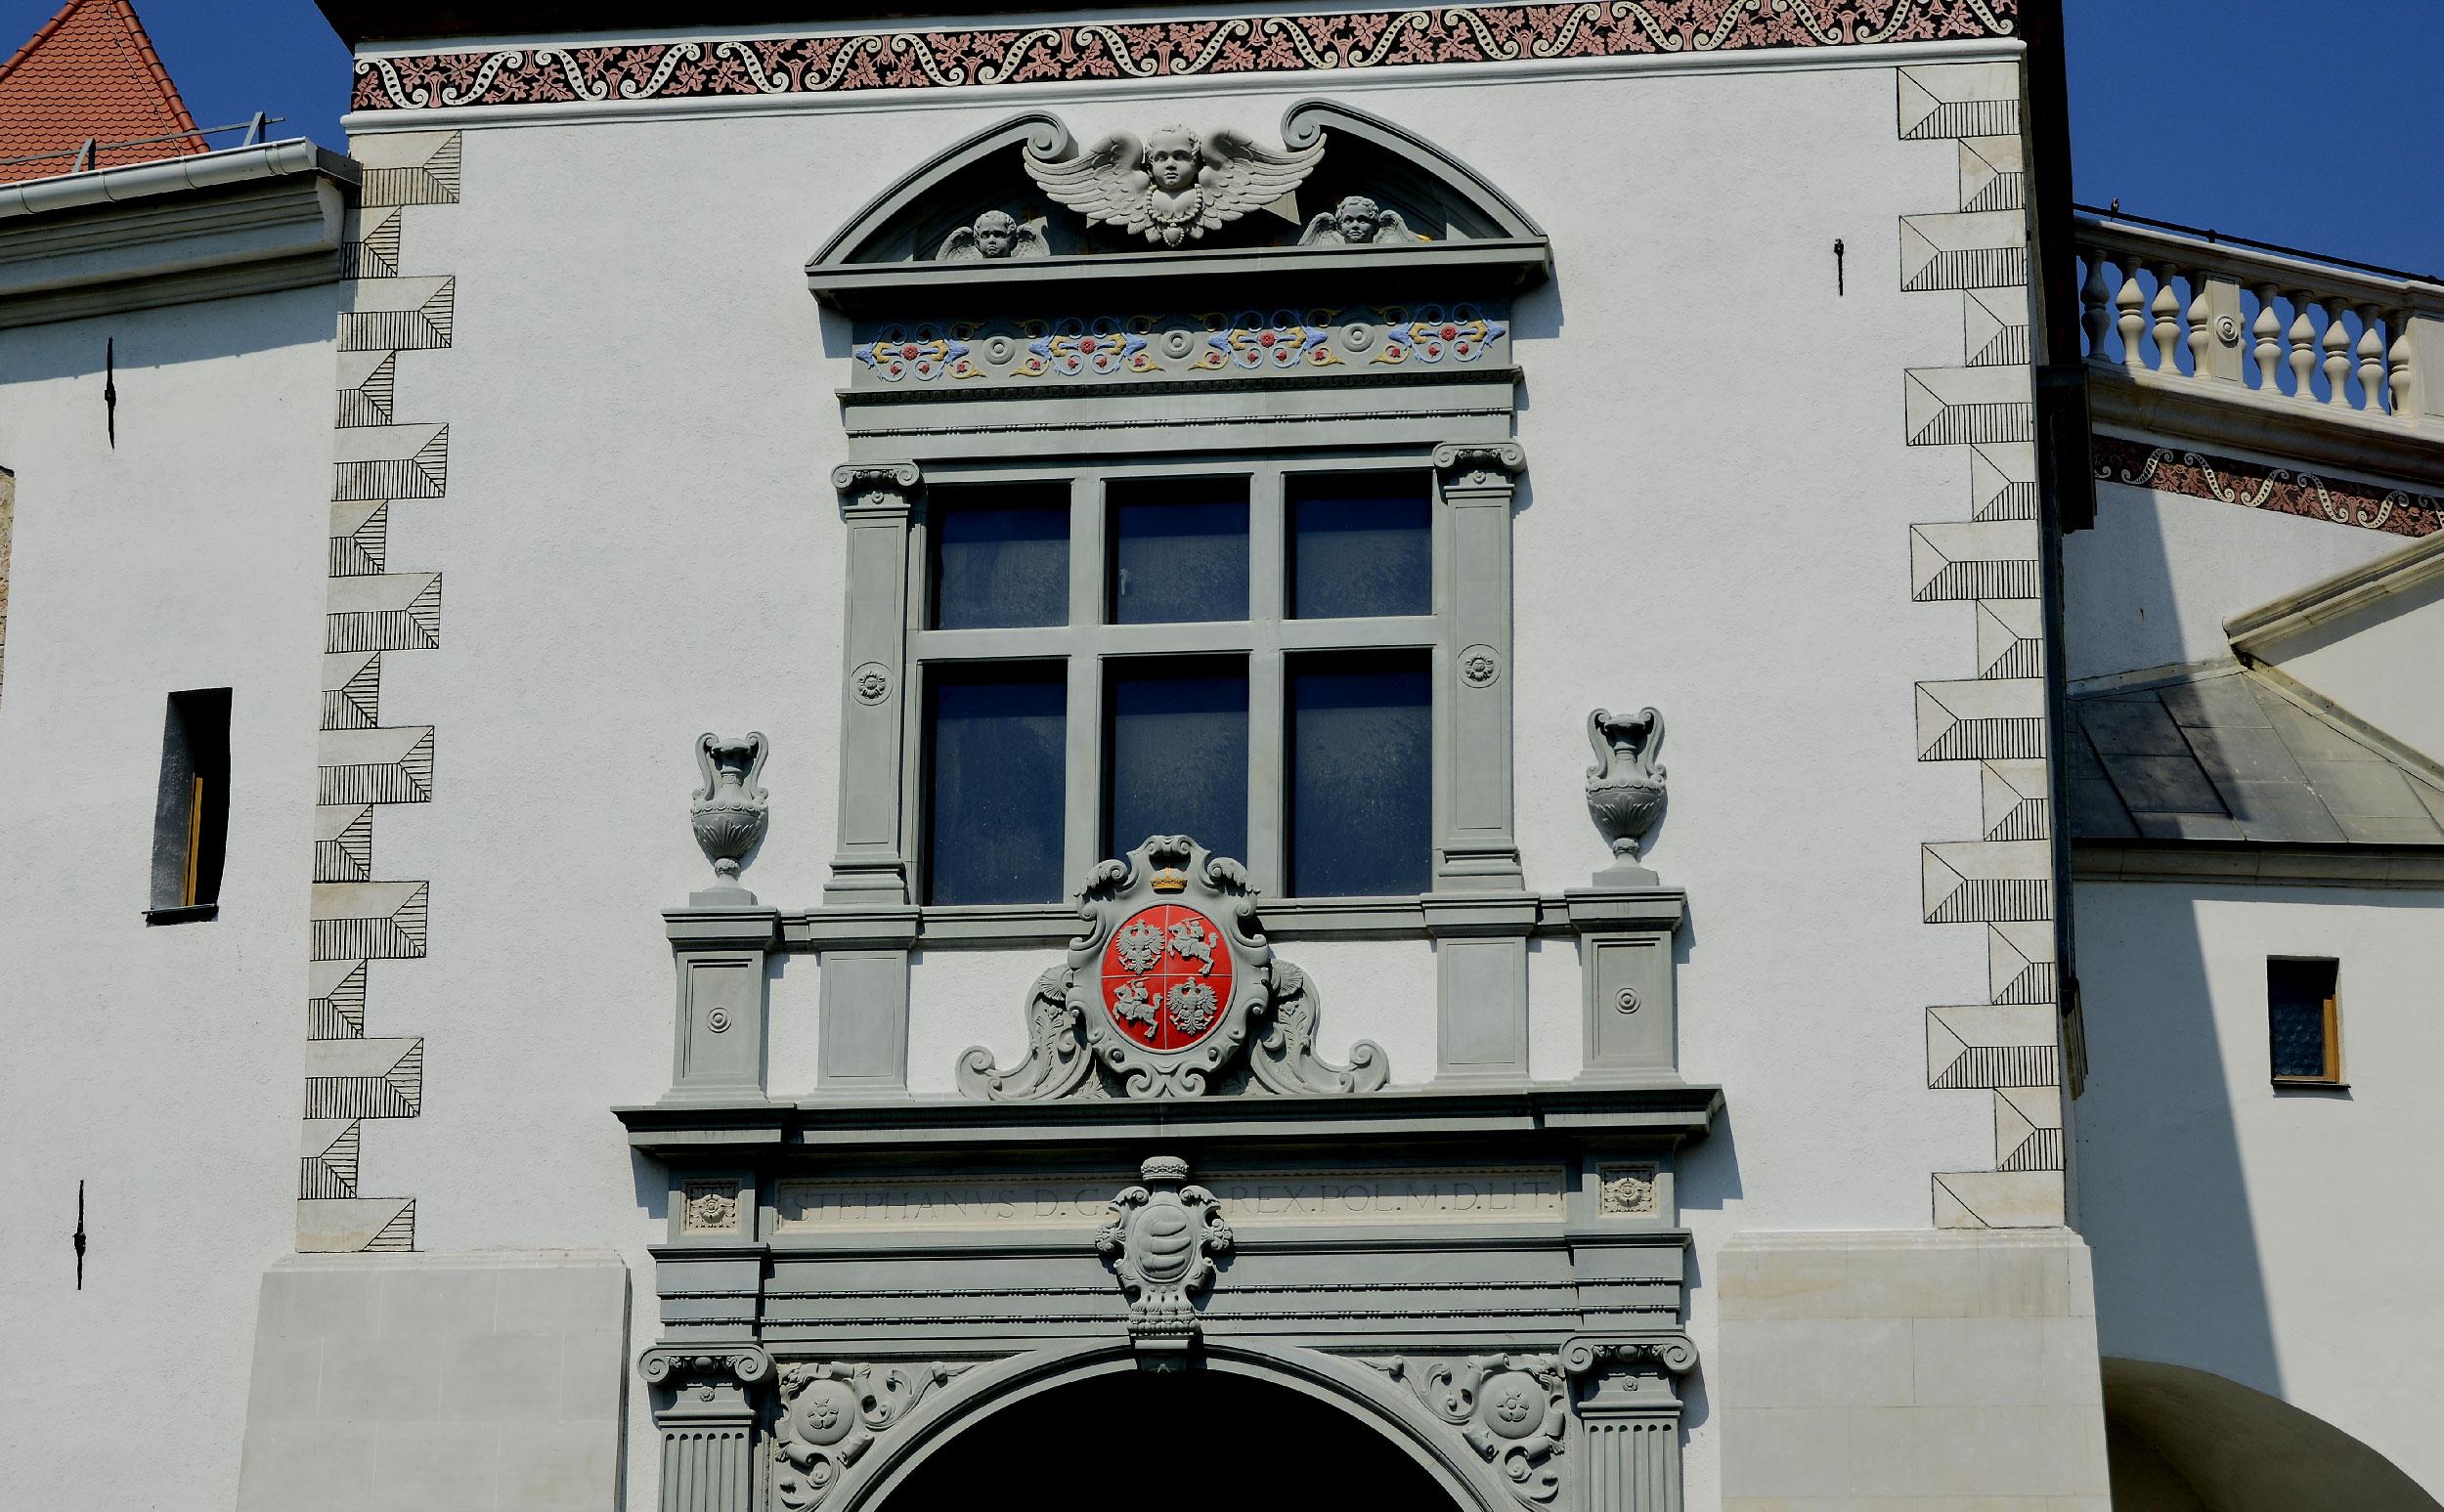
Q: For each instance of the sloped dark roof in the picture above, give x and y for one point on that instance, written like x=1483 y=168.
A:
x=2232 y=754
x=90 y=74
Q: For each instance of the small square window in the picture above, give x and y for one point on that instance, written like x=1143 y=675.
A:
x=1179 y=550
x=1175 y=751
x=996 y=781
x=2303 y=1024
x=1360 y=778
x=1360 y=545
x=1001 y=557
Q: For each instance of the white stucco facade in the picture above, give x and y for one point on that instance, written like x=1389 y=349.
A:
x=536 y=480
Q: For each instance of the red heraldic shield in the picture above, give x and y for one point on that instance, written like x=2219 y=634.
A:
x=1167 y=976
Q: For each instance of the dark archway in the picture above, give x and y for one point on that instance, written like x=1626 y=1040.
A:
x=1287 y=1452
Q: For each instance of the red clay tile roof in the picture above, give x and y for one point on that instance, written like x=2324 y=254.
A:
x=90 y=72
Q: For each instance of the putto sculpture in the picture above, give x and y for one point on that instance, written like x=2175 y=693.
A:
x=1625 y=787
x=1357 y=221
x=729 y=810
x=996 y=236
x=1170 y=992
x=1174 y=186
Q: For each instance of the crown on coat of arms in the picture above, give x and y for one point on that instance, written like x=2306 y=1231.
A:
x=1170 y=879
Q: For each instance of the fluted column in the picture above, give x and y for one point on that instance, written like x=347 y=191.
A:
x=1631 y=1418
x=705 y=1403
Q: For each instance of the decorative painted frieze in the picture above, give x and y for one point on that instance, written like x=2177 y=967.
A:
x=1089 y=347
x=2230 y=480
x=967 y=58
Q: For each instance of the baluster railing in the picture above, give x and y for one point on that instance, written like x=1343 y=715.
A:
x=2352 y=343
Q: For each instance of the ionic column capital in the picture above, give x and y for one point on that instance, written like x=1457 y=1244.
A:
x=1480 y=466
x=877 y=488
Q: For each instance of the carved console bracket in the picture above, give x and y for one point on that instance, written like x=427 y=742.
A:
x=831 y=1413
x=1162 y=1243
x=1513 y=1410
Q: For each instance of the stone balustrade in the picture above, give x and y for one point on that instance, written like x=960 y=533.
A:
x=2266 y=332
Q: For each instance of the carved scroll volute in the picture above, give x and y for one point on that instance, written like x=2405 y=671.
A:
x=1511 y=1409
x=831 y=1414
x=1625 y=787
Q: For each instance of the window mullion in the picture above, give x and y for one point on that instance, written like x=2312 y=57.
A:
x=1089 y=553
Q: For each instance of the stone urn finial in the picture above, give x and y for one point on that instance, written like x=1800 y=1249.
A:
x=1625 y=789
x=729 y=810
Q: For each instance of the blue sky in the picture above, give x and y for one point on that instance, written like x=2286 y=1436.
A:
x=2311 y=125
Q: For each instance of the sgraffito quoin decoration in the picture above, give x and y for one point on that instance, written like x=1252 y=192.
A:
x=1171 y=992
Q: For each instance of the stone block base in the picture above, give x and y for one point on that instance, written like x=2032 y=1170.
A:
x=1940 y=1371
x=438 y=1381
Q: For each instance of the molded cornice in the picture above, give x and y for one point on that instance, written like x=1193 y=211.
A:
x=245 y=221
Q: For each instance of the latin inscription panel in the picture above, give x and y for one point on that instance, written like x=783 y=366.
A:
x=1498 y=1194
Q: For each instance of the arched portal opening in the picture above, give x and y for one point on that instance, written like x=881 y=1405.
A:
x=2184 y=1441
x=1291 y=1452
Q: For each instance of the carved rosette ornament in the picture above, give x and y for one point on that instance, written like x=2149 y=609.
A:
x=729 y=810
x=831 y=1414
x=1512 y=1409
x=1162 y=1241
x=1625 y=787
x=1170 y=992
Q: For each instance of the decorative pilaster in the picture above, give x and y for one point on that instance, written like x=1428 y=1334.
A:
x=1632 y=1417
x=1475 y=848
x=877 y=502
x=705 y=1402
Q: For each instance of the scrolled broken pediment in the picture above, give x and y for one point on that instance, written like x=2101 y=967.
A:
x=1171 y=991
x=1024 y=212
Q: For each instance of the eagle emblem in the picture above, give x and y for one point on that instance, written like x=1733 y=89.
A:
x=1174 y=186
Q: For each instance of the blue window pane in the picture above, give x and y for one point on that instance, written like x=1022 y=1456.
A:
x=1179 y=550
x=1360 y=764
x=1001 y=557
x=1361 y=544
x=1176 y=747
x=997 y=762
x=2296 y=997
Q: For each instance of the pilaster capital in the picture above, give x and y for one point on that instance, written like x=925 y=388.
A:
x=676 y=1366
x=877 y=488
x=1593 y=1354
x=1480 y=466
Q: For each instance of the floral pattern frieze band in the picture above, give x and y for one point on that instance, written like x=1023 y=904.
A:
x=1104 y=346
x=2256 y=486
x=967 y=58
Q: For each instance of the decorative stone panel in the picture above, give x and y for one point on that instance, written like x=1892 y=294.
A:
x=2001 y=880
x=358 y=917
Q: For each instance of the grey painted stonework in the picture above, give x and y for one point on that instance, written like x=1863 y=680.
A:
x=1489 y=1271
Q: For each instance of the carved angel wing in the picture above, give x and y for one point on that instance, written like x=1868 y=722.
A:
x=1240 y=176
x=1322 y=230
x=1105 y=182
x=960 y=248
x=1030 y=244
x=1390 y=226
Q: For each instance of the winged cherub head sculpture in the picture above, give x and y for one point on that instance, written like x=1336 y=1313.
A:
x=1174 y=186
x=997 y=235
x=1356 y=221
